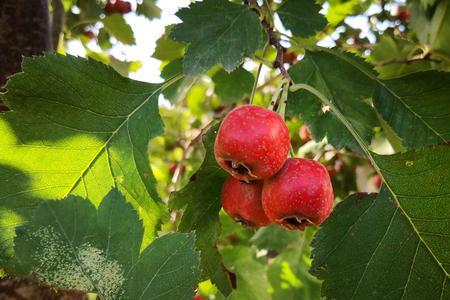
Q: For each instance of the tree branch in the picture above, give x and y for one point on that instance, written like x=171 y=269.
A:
x=274 y=39
x=57 y=21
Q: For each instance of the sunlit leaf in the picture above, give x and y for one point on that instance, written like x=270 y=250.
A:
x=76 y=128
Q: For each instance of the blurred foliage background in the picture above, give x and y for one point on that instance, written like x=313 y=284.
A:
x=132 y=36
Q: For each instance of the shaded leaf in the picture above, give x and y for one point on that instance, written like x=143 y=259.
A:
x=179 y=89
x=201 y=203
x=275 y=238
x=70 y=244
x=348 y=83
x=218 y=32
x=76 y=128
x=417 y=107
x=233 y=86
x=431 y=22
x=116 y=26
x=394 y=245
x=301 y=17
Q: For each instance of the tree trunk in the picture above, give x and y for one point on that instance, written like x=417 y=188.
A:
x=25 y=30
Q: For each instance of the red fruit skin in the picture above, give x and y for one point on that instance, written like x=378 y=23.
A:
x=252 y=143
x=403 y=14
x=198 y=297
x=119 y=7
x=242 y=202
x=377 y=181
x=305 y=133
x=124 y=7
x=110 y=8
x=300 y=194
x=89 y=34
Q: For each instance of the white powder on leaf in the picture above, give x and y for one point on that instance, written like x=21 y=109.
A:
x=85 y=268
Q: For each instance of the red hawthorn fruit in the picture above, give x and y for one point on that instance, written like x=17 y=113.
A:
x=118 y=6
x=290 y=57
x=305 y=133
x=242 y=202
x=124 y=7
x=299 y=195
x=377 y=181
x=403 y=14
x=173 y=167
x=89 y=34
x=252 y=143
x=110 y=8
x=198 y=297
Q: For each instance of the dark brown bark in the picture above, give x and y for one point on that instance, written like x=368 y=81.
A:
x=25 y=30
x=14 y=289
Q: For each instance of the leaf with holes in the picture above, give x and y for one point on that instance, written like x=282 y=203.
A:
x=218 y=32
x=76 y=128
x=70 y=244
x=348 y=83
x=394 y=245
x=201 y=203
x=417 y=107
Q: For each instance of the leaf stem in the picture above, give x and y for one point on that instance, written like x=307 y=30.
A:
x=171 y=81
x=255 y=84
x=341 y=118
x=275 y=96
x=283 y=100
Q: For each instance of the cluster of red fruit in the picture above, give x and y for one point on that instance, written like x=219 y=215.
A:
x=266 y=186
x=118 y=7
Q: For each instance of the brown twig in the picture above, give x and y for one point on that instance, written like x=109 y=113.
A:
x=190 y=146
x=274 y=39
x=406 y=60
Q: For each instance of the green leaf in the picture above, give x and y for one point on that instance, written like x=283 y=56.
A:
x=340 y=9
x=233 y=86
x=289 y=278
x=301 y=17
x=167 y=49
x=251 y=278
x=275 y=238
x=76 y=128
x=149 y=9
x=388 y=54
x=217 y=31
x=394 y=245
x=347 y=82
x=70 y=244
x=201 y=203
x=116 y=25
x=179 y=89
x=432 y=24
x=417 y=107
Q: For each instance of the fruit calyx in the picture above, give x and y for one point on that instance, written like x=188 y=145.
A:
x=295 y=222
x=245 y=223
x=239 y=168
